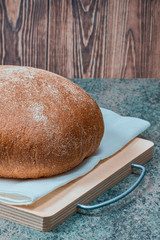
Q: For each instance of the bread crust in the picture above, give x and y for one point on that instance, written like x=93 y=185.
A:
x=48 y=125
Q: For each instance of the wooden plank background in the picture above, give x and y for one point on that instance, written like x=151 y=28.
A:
x=83 y=38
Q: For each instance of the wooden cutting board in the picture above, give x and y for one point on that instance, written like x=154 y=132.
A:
x=54 y=208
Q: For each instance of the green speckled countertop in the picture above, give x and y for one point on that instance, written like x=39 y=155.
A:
x=136 y=216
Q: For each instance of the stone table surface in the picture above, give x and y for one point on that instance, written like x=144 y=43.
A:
x=137 y=216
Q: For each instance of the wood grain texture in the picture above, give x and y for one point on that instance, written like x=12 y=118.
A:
x=23 y=32
x=60 y=38
x=83 y=38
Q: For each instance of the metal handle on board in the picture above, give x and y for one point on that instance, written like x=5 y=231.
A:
x=87 y=207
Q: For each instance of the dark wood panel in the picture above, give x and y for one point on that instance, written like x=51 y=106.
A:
x=83 y=38
x=150 y=35
x=89 y=38
x=60 y=38
x=142 y=41
x=24 y=32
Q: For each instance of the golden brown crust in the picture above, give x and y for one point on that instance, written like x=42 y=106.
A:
x=48 y=125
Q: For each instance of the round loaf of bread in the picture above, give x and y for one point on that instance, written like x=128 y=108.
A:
x=48 y=125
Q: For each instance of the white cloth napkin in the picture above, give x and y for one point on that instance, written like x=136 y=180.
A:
x=119 y=131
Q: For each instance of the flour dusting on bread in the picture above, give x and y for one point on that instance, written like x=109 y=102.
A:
x=48 y=125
